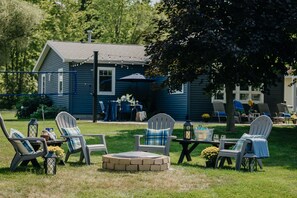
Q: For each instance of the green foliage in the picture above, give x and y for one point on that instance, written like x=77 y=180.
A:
x=17 y=19
x=50 y=112
x=120 y=21
x=232 y=42
x=17 y=22
x=29 y=104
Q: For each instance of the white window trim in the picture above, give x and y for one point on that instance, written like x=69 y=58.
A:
x=60 y=79
x=43 y=84
x=237 y=93
x=177 y=91
x=112 y=92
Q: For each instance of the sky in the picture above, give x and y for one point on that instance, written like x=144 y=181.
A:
x=155 y=1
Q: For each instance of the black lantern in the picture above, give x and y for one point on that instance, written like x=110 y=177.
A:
x=50 y=163
x=33 y=128
x=188 y=130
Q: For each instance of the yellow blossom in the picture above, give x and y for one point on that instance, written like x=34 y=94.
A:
x=57 y=150
x=210 y=153
x=250 y=102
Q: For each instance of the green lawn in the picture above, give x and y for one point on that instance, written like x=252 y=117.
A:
x=277 y=179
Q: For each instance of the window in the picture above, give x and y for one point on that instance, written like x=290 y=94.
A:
x=181 y=91
x=60 y=81
x=106 y=81
x=243 y=94
x=43 y=84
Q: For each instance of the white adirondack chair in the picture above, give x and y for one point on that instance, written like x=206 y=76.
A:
x=262 y=125
x=159 y=121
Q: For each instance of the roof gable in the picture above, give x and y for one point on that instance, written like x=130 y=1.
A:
x=83 y=52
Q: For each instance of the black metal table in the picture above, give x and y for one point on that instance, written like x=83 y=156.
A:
x=56 y=142
x=188 y=150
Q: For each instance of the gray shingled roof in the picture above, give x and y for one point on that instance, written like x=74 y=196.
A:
x=83 y=52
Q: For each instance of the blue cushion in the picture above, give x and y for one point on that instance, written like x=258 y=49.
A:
x=221 y=113
x=73 y=143
x=238 y=105
x=286 y=115
x=23 y=146
x=266 y=113
x=156 y=136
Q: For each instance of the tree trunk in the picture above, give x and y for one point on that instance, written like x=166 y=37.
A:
x=230 y=108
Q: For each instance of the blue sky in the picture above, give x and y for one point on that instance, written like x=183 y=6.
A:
x=155 y=1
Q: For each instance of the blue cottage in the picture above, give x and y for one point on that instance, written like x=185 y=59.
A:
x=66 y=76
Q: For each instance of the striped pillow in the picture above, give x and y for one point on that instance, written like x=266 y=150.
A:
x=73 y=143
x=156 y=136
x=23 y=146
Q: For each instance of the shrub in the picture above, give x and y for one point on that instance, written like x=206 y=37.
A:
x=49 y=112
x=29 y=104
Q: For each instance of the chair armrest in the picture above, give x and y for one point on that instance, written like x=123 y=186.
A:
x=137 y=141
x=100 y=136
x=172 y=137
x=71 y=136
x=140 y=136
x=223 y=141
x=34 y=139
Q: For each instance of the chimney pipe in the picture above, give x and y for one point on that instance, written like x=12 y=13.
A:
x=89 y=36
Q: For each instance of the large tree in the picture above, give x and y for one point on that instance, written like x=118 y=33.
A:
x=233 y=42
x=120 y=21
x=17 y=21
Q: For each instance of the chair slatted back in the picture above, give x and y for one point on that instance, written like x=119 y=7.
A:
x=262 y=125
x=65 y=120
x=282 y=108
x=238 y=106
x=102 y=107
x=3 y=127
x=218 y=107
x=264 y=109
x=161 y=121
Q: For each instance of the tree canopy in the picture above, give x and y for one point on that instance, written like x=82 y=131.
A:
x=120 y=21
x=233 y=42
x=26 y=25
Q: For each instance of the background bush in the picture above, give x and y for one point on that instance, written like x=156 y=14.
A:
x=31 y=106
x=49 y=112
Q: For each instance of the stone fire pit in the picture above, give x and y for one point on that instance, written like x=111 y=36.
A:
x=135 y=161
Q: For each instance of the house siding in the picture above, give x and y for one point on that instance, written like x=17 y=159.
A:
x=199 y=101
x=276 y=95
x=82 y=102
x=51 y=64
x=173 y=104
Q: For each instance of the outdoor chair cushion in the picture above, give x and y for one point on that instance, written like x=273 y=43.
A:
x=156 y=136
x=24 y=146
x=221 y=113
x=286 y=115
x=73 y=143
x=266 y=113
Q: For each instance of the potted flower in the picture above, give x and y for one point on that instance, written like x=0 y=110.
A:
x=210 y=154
x=251 y=105
x=205 y=117
x=58 y=151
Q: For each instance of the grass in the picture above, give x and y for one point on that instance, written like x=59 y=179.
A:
x=190 y=179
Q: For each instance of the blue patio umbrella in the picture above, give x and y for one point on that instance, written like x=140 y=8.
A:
x=137 y=77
